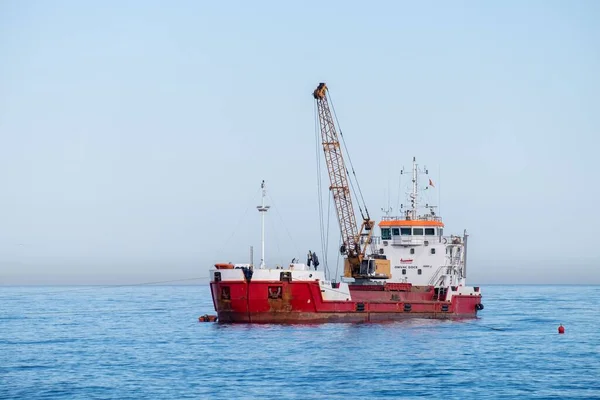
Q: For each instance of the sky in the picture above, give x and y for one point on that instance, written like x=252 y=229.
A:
x=134 y=134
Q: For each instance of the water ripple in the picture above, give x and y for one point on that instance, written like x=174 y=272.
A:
x=144 y=342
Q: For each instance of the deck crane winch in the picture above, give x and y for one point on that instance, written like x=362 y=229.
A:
x=354 y=241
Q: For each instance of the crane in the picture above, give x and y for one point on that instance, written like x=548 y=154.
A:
x=340 y=190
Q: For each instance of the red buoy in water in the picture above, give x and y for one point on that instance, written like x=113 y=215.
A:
x=561 y=329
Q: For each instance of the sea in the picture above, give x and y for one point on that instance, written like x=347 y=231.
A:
x=145 y=342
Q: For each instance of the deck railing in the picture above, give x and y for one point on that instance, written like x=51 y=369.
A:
x=411 y=240
x=426 y=217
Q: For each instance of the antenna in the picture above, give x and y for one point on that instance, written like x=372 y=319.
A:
x=263 y=209
x=400 y=190
x=439 y=189
x=387 y=211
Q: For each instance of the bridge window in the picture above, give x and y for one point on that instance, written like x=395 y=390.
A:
x=386 y=234
x=405 y=231
x=429 y=231
x=418 y=231
x=395 y=231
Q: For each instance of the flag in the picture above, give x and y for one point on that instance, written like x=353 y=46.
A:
x=431 y=183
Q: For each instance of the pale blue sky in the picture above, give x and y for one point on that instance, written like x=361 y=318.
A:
x=134 y=134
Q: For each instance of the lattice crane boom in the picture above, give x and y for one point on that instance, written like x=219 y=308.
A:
x=340 y=187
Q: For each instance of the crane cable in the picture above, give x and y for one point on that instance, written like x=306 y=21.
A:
x=319 y=185
x=354 y=192
x=349 y=160
x=325 y=254
x=337 y=264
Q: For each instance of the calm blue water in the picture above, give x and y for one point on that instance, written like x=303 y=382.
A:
x=146 y=343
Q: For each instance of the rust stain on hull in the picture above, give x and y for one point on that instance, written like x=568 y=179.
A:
x=302 y=302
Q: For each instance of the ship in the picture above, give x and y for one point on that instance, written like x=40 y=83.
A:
x=397 y=268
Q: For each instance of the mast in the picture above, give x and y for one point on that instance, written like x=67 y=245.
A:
x=414 y=193
x=263 y=209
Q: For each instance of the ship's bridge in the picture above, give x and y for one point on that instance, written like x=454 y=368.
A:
x=410 y=231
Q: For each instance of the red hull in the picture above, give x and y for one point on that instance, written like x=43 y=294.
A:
x=302 y=302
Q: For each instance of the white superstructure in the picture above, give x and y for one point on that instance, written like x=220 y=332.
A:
x=416 y=246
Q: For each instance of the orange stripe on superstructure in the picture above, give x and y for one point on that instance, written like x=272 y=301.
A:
x=403 y=222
